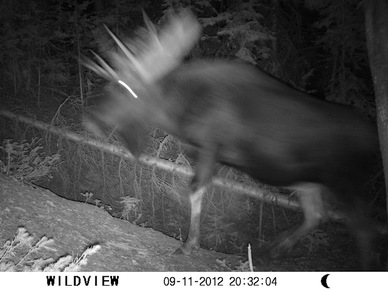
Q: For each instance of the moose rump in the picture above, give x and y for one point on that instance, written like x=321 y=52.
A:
x=231 y=113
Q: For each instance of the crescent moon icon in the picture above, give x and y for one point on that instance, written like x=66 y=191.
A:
x=324 y=281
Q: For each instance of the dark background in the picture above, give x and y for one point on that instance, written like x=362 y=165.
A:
x=316 y=46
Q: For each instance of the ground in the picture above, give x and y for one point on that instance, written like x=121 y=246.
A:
x=75 y=226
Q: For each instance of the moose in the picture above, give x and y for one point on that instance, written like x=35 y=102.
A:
x=232 y=113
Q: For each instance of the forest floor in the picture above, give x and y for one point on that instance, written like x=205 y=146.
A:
x=76 y=226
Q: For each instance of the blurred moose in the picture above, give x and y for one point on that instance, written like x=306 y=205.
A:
x=232 y=113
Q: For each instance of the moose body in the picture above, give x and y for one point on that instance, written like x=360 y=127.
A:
x=232 y=113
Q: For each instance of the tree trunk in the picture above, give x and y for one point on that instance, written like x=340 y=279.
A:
x=376 y=24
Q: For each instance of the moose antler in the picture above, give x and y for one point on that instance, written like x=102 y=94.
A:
x=165 y=51
x=152 y=56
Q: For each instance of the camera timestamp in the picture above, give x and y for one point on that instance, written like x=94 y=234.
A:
x=219 y=281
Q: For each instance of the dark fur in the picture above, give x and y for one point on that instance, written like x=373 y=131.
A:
x=236 y=115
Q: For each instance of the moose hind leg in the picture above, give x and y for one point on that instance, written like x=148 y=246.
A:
x=310 y=198
x=192 y=242
x=365 y=234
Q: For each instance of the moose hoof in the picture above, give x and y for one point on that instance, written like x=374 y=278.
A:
x=276 y=252
x=179 y=251
x=280 y=248
x=186 y=249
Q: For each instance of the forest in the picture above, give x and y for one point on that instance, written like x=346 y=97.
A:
x=318 y=47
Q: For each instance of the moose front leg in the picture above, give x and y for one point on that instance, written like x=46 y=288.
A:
x=206 y=160
x=192 y=242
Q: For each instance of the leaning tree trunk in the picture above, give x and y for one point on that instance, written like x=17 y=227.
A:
x=376 y=24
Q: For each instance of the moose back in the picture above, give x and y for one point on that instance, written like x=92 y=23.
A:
x=234 y=114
